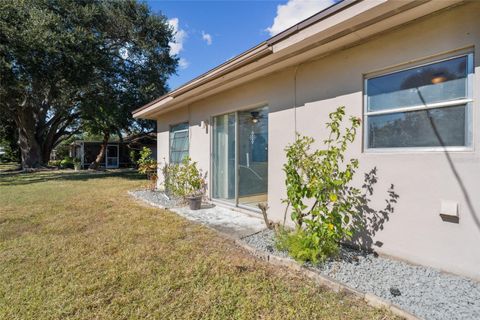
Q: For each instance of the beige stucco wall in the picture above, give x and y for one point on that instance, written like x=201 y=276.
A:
x=422 y=180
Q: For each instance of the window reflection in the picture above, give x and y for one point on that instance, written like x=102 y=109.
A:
x=424 y=124
x=441 y=81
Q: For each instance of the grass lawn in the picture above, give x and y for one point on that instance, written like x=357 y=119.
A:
x=9 y=166
x=76 y=246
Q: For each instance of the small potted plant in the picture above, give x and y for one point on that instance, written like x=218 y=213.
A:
x=195 y=200
x=193 y=180
x=185 y=181
x=77 y=164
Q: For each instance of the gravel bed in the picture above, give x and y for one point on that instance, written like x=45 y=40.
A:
x=156 y=197
x=235 y=224
x=425 y=292
x=264 y=241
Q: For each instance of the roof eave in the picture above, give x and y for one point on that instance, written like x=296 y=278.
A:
x=257 y=52
x=284 y=46
x=253 y=54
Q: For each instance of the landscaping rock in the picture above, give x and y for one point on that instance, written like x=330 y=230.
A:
x=395 y=292
x=265 y=241
x=156 y=197
x=425 y=292
x=228 y=221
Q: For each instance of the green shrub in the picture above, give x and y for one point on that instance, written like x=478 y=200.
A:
x=184 y=179
x=306 y=246
x=66 y=163
x=134 y=156
x=54 y=163
x=148 y=165
x=11 y=151
x=77 y=163
x=318 y=191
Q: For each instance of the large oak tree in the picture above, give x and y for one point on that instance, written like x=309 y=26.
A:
x=61 y=61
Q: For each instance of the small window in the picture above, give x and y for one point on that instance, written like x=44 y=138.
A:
x=179 y=143
x=422 y=107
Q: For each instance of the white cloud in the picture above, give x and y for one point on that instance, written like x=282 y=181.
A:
x=183 y=63
x=207 y=37
x=180 y=35
x=295 y=11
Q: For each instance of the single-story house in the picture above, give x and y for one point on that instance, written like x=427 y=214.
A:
x=118 y=153
x=409 y=69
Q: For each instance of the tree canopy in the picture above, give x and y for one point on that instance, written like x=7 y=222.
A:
x=66 y=64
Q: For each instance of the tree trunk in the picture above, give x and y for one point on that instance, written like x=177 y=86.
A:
x=101 y=155
x=54 y=132
x=30 y=149
x=47 y=150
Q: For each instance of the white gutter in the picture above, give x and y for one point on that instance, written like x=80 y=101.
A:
x=341 y=21
x=254 y=54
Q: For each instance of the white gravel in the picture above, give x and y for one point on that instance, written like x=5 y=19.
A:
x=425 y=292
x=157 y=198
x=226 y=220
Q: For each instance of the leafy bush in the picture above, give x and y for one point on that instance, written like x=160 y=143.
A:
x=134 y=155
x=54 y=163
x=184 y=179
x=63 y=149
x=148 y=165
x=318 y=190
x=77 y=163
x=66 y=163
x=306 y=246
x=10 y=153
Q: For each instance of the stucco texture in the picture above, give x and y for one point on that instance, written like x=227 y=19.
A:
x=422 y=179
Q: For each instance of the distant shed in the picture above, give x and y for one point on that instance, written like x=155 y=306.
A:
x=118 y=152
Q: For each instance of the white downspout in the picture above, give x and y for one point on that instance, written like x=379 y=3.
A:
x=295 y=99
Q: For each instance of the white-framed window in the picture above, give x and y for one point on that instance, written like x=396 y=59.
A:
x=179 y=143
x=423 y=107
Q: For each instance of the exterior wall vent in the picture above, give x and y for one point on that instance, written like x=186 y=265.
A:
x=449 y=211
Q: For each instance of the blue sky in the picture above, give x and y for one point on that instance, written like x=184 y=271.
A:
x=210 y=32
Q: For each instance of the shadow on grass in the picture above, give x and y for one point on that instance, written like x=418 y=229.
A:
x=23 y=178
x=9 y=167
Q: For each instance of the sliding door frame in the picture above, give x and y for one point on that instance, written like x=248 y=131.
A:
x=234 y=203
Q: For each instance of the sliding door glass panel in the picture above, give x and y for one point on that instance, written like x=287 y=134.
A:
x=224 y=157
x=252 y=156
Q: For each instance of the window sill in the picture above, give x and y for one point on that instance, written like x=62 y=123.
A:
x=418 y=150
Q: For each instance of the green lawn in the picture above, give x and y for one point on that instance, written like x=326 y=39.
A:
x=76 y=246
x=9 y=166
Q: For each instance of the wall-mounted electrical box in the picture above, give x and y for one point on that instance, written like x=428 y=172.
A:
x=449 y=211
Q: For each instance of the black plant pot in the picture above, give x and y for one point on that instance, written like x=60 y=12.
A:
x=194 y=203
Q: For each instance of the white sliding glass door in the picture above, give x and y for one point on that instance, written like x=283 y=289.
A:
x=223 y=157
x=240 y=157
x=252 y=156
